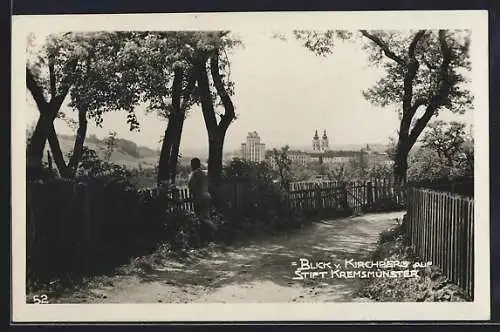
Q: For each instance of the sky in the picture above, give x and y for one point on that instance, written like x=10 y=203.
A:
x=284 y=92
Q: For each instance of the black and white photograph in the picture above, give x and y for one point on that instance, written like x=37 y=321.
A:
x=251 y=166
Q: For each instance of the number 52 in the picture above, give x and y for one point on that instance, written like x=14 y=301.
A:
x=40 y=299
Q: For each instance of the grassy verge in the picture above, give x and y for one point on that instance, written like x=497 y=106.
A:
x=431 y=285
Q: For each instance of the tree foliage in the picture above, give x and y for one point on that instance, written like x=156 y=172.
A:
x=165 y=67
x=308 y=171
x=283 y=165
x=113 y=71
x=92 y=167
x=451 y=145
x=424 y=73
x=107 y=79
x=445 y=139
x=90 y=66
x=84 y=66
x=163 y=52
x=321 y=43
x=423 y=69
x=238 y=168
x=341 y=173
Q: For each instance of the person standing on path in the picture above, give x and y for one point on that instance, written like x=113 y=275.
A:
x=198 y=185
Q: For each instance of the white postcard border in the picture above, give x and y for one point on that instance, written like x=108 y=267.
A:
x=268 y=21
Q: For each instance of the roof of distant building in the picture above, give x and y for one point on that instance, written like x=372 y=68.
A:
x=253 y=134
x=340 y=153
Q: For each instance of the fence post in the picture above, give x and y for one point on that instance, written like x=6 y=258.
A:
x=439 y=226
x=345 y=202
x=319 y=201
x=369 y=193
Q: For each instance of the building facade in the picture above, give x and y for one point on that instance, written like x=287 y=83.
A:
x=321 y=153
x=299 y=157
x=253 y=149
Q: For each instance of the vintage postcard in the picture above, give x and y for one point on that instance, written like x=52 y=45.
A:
x=271 y=166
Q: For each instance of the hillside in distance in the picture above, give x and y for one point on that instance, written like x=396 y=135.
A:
x=126 y=152
x=129 y=154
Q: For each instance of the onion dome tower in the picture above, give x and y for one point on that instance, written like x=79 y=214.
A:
x=324 y=141
x=316 y=143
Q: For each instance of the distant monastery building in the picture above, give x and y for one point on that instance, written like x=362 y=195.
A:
x=321 y=153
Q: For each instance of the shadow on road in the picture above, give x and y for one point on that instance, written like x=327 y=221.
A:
x=269 y=259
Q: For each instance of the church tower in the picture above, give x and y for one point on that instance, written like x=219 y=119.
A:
x=316 y=145
x=324 y=142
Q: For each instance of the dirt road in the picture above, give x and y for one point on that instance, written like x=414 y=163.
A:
x=255 y=271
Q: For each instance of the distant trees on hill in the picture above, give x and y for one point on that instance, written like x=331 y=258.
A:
x=122 y=145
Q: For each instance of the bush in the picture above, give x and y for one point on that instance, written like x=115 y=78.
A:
x=91 y=167
x=390 y=234
x=269 y=208
x=457 y=185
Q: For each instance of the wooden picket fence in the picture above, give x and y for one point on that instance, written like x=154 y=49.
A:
x=305 y=185
x=440 y=226
x=181 y=198
x=238 y=195
x=347 y=197
x=74 y=228
x=318 y=198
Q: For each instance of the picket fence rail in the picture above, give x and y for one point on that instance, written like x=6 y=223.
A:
x=310 y=197
x=440 y=226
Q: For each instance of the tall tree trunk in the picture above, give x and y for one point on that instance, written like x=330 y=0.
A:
x=68 y=171
x=55 y=147
x=400 y=170
x=170 y=149
x=208 y=110
x=48 y=112
x=216 y=131
x=401 y=157
x=410 y=65
x=37 y=145
x=215 y=153
x=180 y=116
x=225 y=120
x=165 y=170
x=402 y=150
x=174 y=156
x=81 y=134
x=166 y=147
